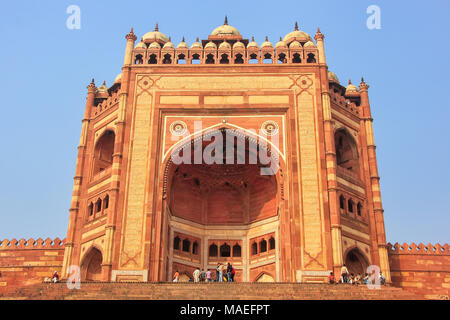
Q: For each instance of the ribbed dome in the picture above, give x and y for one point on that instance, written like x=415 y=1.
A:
x=295 y=44
x=141 y=45
x=155 y=35
x=103 y=88
x=210 y=45
x=281 y=44
x=155 y=45
x=224 y=45
x=182 y=45
x=350 y=87
x=118 y=79
x=238 y=44
x=225 y=30
x=253 y=44
x=267 y=43
x=297 y=35
x=309 y=44
x=332 y=77
x=196 y=44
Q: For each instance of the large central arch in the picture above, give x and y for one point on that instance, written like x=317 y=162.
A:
x=217 y=211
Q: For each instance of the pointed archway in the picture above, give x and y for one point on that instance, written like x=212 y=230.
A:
x=91 y=267
x=356 y=261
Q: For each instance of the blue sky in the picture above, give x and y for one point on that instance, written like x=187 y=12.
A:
x=46 y=67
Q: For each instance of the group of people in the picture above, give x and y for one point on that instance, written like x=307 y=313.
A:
x=224 y=273
x=351 y=278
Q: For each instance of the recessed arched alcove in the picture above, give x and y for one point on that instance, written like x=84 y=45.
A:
x=91 y=267
x=356 y=262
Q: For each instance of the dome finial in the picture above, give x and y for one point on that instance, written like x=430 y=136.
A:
x=296 y=26
x=267 y=38
x=156 y=27
x=182 y=40
x=253 y=38
x=226 y=21
x=197 y=40
x=281 y=39
x=349 y=81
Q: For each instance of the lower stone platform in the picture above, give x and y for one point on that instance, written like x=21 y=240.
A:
x=207 y=291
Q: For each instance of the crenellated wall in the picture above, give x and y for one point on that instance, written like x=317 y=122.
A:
x=26 y=262
x=422 y=269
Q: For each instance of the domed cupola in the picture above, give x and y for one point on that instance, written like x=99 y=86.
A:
x=224 y=45
x=253 y=44
x=225 y=30
x=297 y=35
x=155 y=36
x=182 y=45
x=351 y=89
x=169 y=44
x=141 y=45
x=197 y=44
x=210 y=45
x=332 y=77
x=118 y=79
x=295 y=44
x=238 y=45
x=266 y=44
x=281 y=44
x=309 y=44
x=154 y=45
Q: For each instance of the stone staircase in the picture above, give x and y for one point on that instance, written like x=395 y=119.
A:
x=206 y=291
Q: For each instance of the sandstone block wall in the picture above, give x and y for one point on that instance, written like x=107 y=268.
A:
x=422 y=269
x=26 y=262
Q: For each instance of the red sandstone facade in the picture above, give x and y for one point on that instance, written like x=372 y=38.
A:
x=138 y=216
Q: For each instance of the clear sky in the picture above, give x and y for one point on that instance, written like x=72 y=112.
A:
x=46 y=67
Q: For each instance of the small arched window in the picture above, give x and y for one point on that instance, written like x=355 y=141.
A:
x=195 y=59
x=91 y=209
x=167 y=59
x=296 y=58
x=254 y=248
x=103 y=153
x=176 y=243
x=346 y=151
x=239 y=59
x=181 y=59
x=152 y=59
x=209 y=59
x=267 y=58
x=253 y=59
x=224 y=59
x=139 y=59
x=342 y=202
x=350 y=205
x=359 y=208
x=106 y=202
x=98 y=205
x=271 y=243
x=186 y=245
x=224 y=250
x=213 y=250
x=236 y=250
x=282 y=58
x=263 y=245
x=311 y=58
x=195 y=248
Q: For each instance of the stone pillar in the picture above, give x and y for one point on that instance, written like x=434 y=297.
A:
x=131 y=38
x=319 y=38
x=74 y=207
x=375 y=182
x=330 y=157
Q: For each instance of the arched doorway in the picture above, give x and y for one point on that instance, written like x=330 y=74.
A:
x=220 y=203
x=356 y=262
x=91 y=267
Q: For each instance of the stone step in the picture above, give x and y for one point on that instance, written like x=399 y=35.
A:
x=208 y=291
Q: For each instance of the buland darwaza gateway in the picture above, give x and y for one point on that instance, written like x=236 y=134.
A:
x=137 y=215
